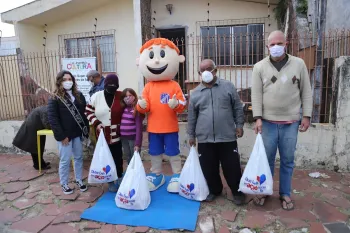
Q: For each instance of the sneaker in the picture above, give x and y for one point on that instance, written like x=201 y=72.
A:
x=174 y=186
x=239 y=198
x=66 y=189
x=112 y=187
x=81 y=185
x=155 y=181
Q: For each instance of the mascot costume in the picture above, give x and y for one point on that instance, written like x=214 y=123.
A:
x=162 y=99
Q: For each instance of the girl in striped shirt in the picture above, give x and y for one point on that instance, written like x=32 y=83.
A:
x=131 y=124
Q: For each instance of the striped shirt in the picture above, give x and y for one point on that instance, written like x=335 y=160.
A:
x=131 y=126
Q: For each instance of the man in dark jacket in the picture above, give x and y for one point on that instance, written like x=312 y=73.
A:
x=26 y=138
x=216 y=119
x=96 y=80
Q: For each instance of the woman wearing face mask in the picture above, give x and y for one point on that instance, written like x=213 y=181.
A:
x=131 y=124
x=70 y=126
x=105 y=113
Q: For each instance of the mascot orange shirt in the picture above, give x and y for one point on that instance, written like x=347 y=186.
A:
x=162 y=99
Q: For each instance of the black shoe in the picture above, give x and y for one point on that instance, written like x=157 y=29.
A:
x=47 y=167
x=66 y=189
x=210 y=197
x=81 y=185
x=239 y=198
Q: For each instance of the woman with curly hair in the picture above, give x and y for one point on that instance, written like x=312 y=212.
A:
x=69 y=124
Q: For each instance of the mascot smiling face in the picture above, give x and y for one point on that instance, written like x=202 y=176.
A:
x=159 y=60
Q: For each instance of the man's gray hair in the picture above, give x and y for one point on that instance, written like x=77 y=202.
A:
x=93 y=73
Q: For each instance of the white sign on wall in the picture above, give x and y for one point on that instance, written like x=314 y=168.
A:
x=79 y=67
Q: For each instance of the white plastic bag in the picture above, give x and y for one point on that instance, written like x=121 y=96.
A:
x=257 y=178
x=193 y=185
x=133 y=193
x=102 y=168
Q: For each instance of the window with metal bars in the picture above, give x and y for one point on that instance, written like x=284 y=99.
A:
x=235 y=45
x=87 y=47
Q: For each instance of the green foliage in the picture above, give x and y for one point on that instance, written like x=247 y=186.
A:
x=302 y=7
x=280 y=12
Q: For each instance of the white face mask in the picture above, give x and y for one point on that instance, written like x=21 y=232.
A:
x=277 y=51
x=67 y=85
x=207 y=76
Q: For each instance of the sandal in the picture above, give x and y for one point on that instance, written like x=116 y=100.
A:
x=259 y=201
x=283 y=199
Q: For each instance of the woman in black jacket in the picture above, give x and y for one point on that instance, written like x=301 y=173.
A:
x=69 y=124
x=26 y=137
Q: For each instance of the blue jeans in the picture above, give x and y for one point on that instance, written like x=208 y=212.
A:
x=75 y=148
x=284 y=137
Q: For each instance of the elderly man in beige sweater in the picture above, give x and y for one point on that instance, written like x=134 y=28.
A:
x=280 y=87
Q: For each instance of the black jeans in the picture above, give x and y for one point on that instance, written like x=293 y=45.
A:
x=226 y=153
x=35 y=155
x=117 y=154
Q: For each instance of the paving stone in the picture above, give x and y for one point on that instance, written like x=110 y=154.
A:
x=344 y=189
x=33 y=225
x=338 y=201
x=3 y=198
x=70 y=197
x=229 y=215
x=224 y=229
x=61 y=228
x=141 y=229
x=24 y=203
x=9 y=215
x=221 y=201
x=14 y=196
x=56 y=190
x=36 y=189
x=304 y=202
x=258 y=219
x=337 y=227
x=322 y=190
x=54 y=180
x=300 y=185
x=316 y=227
x=295 y=214
x=5 y=179
x=77 y=206
x=91 y=195
x=45 y=201
x=121 y=228
x=108 y=229
x=31 y=195
x=291 y=223
x=29 y=175
x=92 y=226
x=73 y=216
x=51 y=210
x=327 y=213
x=15 y=187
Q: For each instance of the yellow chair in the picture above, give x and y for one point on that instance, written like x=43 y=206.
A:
x=46 y=132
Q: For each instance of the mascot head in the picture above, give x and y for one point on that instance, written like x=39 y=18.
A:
x=159 y=59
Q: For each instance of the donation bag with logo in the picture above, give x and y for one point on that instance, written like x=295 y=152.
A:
x=257 y=177
x=193 y=185
x=133 y=193
x=102 y=168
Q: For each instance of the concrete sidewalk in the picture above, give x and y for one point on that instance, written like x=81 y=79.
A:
x=30 y=202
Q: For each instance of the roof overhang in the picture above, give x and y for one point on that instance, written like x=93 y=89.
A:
x=42 y=12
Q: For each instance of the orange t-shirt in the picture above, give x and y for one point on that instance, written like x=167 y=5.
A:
x=161 y=118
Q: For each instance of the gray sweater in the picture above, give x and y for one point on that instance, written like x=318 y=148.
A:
x=215 y=113
x=278 y=95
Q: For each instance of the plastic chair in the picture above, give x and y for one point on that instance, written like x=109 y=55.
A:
x=46 y=132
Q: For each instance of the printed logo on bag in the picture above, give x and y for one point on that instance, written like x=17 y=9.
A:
x=256 y=185
x=102 y=175
x=126 y=198
x=187 y=190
